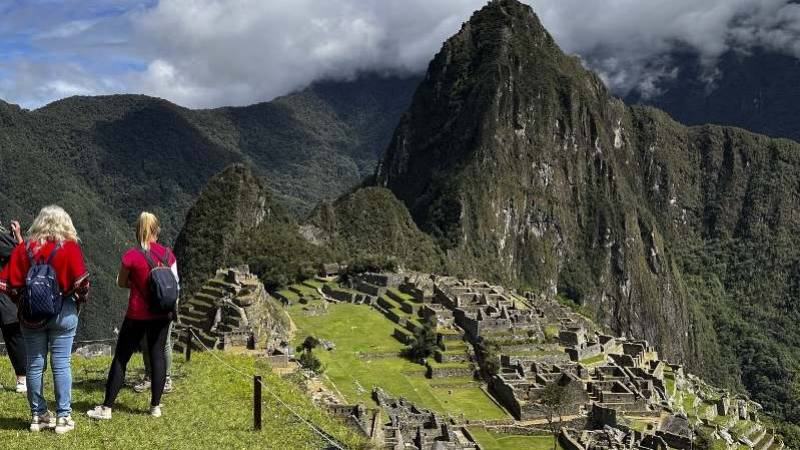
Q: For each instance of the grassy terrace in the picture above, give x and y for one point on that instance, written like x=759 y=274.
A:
x=403 y=295
x=669 y=383
x=489 y=440
x=209 y=408
x=366 y=356
x=289 y=294
x=597 y=359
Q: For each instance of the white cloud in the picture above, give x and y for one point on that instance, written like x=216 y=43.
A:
x=222 y=53
x=203 y=53
x=627 y=40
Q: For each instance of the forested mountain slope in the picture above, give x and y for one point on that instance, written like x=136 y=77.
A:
x=105 y=159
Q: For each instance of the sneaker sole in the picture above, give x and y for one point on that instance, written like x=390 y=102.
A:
x=38 y=428
x=98 y=417
x=64 y=429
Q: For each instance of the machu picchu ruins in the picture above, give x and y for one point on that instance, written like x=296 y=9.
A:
x=622 y=394
x=232 y=309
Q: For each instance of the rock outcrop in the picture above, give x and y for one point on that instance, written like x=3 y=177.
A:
x=234 y=309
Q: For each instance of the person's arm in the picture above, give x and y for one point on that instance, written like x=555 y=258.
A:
x=17 y=231
x=123 y=277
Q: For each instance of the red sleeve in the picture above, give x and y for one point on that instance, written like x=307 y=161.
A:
x=17 y=268
x=76 y=264
x=128 y=259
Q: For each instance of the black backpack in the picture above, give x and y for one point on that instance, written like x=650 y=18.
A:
x=43 y=298
x=162 y=284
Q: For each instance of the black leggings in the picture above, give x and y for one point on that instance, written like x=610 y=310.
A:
x=15 y=347
x=130 y=337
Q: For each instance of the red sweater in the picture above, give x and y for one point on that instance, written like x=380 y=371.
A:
x=68 y=264
x=139 y=271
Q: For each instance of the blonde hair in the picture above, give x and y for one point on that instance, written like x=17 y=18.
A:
x=52 y=223
x=147 y=229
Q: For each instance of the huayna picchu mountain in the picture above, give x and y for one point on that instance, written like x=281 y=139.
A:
x=526 y=170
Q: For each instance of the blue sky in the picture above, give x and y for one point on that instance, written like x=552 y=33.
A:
x=51 y=49
x=207 y=53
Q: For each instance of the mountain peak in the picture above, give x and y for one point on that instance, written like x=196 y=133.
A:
x=502 y=70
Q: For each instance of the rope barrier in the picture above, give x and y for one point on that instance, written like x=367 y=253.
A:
x=320 y=432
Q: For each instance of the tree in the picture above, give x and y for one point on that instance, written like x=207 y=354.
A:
x=554 y=402
x=424 y=342
x=307 y=358
x=309 y=344
x=487 y=355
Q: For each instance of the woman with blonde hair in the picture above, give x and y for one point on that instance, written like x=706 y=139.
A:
x=52 y=241
x=142 y=319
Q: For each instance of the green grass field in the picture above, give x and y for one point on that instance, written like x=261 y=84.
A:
x=366 y=356
x=494 y=441
x=210 y=407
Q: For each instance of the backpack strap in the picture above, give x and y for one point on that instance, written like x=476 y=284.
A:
x=149 y=258
x=53 y=253
x=32 y=259
x=165 y=260
x=29 y=250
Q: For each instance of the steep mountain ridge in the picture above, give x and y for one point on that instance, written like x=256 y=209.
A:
x=528 y=171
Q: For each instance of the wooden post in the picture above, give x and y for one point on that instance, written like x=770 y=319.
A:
x=257 y=402
x=188 y=344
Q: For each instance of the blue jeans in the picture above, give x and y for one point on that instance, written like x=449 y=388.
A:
x=56 y=336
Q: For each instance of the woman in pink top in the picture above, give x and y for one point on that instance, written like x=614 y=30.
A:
x=140 y=321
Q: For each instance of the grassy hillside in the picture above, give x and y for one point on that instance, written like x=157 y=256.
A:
x=211 y=407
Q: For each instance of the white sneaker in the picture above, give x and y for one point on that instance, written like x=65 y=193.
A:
x=43 y=422
x=22 y=387
x=99 y=413
x=155 y=411
x=144 y=385
x=64 y=424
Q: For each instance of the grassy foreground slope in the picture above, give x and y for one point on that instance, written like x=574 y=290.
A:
x=211 y=407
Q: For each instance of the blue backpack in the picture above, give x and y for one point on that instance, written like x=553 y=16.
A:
x=162 y=284
x=43 y=298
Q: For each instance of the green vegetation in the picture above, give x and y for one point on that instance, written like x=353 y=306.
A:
x=489 y=440
x=593 y=360
x=551 y=333
x=210 y=407
x=366 y=356
x=371 y=223
x=424 y=342
x=307 y=357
